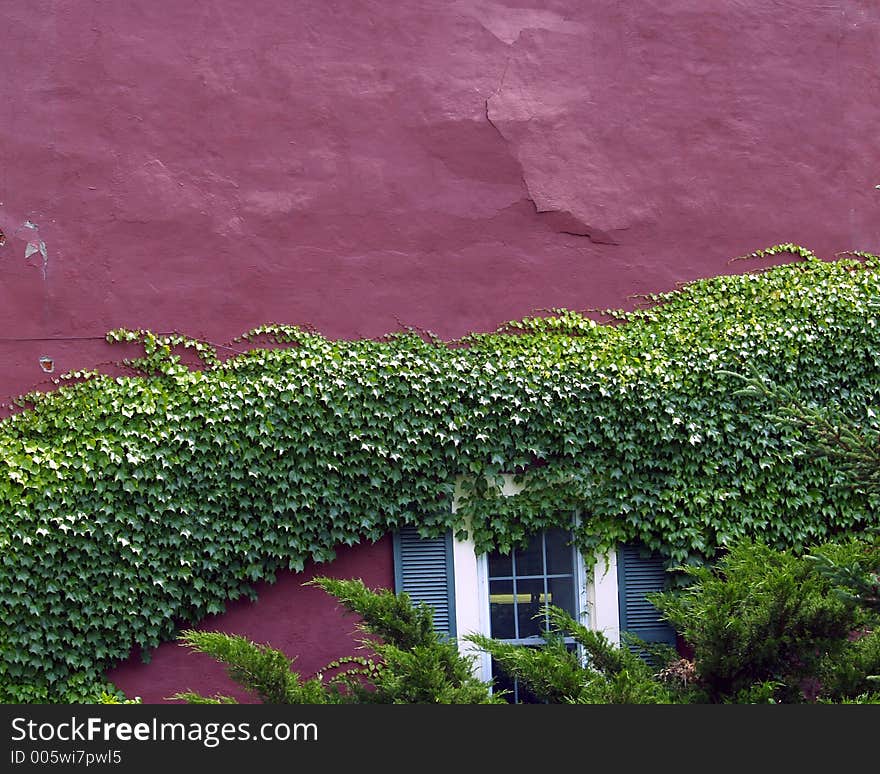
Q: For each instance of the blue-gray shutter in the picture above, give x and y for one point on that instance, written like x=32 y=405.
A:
x=637 y=575
x=423 y=569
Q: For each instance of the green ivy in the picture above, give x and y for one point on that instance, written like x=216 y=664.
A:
x=132 y=505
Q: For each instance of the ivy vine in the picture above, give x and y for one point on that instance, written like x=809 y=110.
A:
x=130 y=506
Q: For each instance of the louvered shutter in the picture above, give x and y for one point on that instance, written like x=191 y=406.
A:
x=638 y=575
x=423 y=569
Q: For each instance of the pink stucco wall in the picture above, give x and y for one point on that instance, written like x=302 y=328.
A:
x=303 y=621
x=358 y=165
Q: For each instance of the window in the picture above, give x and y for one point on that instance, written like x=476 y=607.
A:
x=522 y=586
x=523 y=583
x=500 y=595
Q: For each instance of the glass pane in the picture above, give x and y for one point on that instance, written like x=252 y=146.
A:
x=502 y=610
x=517 y=693
x=560 y=592
x=531 y=560
x=502 y=681
x=560 y=558
x=530 y=603
x=500 y=565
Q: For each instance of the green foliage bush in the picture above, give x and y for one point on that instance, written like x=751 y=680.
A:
x=768 y=623
x=856 y=578
x=854 y=672
x=415 y=665
x=852 y=445
x=259 y=669
x=132 y=505
x=765 y=626
x=556 y=675
x=409 y=663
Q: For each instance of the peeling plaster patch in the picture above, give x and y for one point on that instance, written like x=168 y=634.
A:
x=36 y=245
x=507 y=23
x=47 y=364
x=552 y=109
x=268 y=203
x=560 y=220
x=2 y=238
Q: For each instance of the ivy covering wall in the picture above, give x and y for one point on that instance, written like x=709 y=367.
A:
x=130 y=506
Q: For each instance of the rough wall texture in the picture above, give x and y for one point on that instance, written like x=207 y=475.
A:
x=356 y=165
x=207 y=167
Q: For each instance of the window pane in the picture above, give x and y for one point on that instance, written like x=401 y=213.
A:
x=523 y=615
x=502 y=610
x=531 y=560
x=530 y=603
x=500 y=565
x=502 y=681
x=561 y=594
x=518 y=693
x=560 y=556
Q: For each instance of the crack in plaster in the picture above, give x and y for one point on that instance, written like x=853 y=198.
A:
x=563 y=221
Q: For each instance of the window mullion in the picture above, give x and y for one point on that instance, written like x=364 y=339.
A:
x=515 y=597
x=544 y=571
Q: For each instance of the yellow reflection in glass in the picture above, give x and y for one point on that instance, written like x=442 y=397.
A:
x=508 y=599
